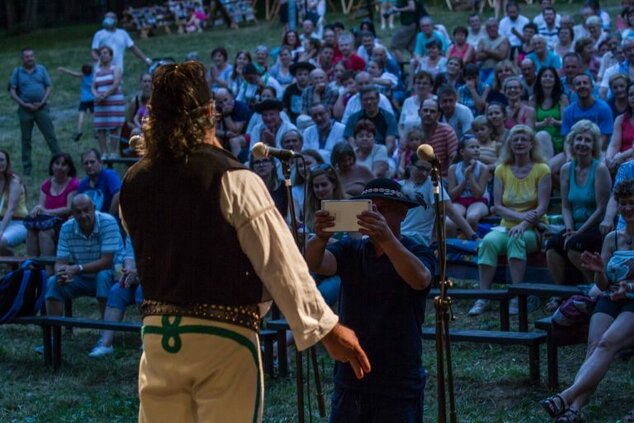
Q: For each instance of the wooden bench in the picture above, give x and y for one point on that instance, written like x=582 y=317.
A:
x=52 y=335
x=530 y=339
x=501 y=295
x=542 y=290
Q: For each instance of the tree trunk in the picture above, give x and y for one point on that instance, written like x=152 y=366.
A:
x=11 y=16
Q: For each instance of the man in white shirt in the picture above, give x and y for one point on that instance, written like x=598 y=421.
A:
x=272 y=127
x=476 y=30
x=325 y=132
x=512 y=25
x=117 y=39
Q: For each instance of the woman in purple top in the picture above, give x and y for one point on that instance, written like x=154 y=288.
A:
x=56 y=194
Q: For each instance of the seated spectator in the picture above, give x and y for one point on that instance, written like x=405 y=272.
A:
x=423 y=84
x=126 y=292
x=522 y=188
x=322 y=56
x=492 y=49
x=512 y=25
x=318 y=92
x=265 y=168
x=454 y=114
x=467 y=185
x=584 y=47
x=353 y=176
x=232 y=120
x=549 y=102
x=583 y=202
x=137 y=107
x=565 y=42
x=12 y=207
x=383 y=121
x=473 y=93
x=613 y=56
x=611 y=324
x=338 y=74
x=549 y=27
x=542 y=55
x=292 y=41
x=528 y=77
x=324 y=133
x=272 y=127
x=323 y=184
x=300 y=176
x=419 y=222
x=476 y=30
x=504 y=69
x=101 y=185
x=349 y=89
x=261 y=62
x=618 y=102
x=496 y=116
x=268 y=93
x=489 y=147
x=251 y=89
x=91 y=240
x=56 y=194
x=350 y=59
x=593 y=25
x=439 y=135
x=539 y=20
x=517 y=112
x=364 y=80
x=620 y=148
x=368 y=153
x=451 y=76
x=426 y=34
x=281 y=69
x=367 y=43
x=519 y=53
x=220 y=71
x=407 y=150
x=460 y=47
x=236 y=80
x=292 y=98
x=383 y=80
x=433 y=62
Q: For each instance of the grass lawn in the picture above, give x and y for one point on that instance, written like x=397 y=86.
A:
x=491 y=382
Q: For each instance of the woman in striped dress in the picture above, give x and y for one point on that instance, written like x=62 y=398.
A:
x=109 y=114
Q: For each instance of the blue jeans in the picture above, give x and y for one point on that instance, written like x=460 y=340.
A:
x=86 y=285
x=350 y=406
x=120 y=297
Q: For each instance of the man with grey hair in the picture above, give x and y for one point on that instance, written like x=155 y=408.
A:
x=261 y=58
x=542 y=55
x=493 y=48
x=351 y=60
x=426 y=34
x=363 y=80
x=117 y=39
x=318 y=92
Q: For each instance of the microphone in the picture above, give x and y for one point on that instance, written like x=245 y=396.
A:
x=426 y=152
x=262 y=150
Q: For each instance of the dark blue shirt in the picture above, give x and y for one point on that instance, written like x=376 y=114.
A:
x=30 y=86
x=108 y=184
x=386 y=314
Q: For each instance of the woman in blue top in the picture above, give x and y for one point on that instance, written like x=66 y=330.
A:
x=612 y=322
x=584 y=197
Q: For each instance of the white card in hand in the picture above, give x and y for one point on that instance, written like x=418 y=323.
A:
x=345 y=213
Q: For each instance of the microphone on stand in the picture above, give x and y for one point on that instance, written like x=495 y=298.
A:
x=426 y=152
x=262 y=150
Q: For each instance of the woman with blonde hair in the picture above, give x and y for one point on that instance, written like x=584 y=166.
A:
x=521 y=194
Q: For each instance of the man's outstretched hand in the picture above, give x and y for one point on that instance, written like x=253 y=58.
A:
x=342 y=345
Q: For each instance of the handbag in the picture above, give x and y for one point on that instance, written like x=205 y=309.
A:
x=41 y=222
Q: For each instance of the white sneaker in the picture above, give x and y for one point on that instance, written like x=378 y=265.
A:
x=100 y=351
x=479 y=307
x=514 y=307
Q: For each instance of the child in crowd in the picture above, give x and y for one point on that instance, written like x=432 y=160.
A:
x=467 y=184
x=489 y=147
x=86 y=99
x=413 y=140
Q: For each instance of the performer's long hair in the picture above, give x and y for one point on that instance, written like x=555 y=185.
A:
x=178 y=118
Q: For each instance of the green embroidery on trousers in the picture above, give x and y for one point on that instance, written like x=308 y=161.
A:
x=171 y=342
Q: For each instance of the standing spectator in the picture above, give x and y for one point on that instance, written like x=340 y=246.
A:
x=117 y=39
x=56 y=194
x=512 y=25
x=109 y=103
x=91 y=240
x=30 y=87
x=324 y=133
x=588 y=107
x=101 y=185
x=86 y=99
x=492 y=48
x=404 y=37
x=395 y=273
x=12 y=207
x=439 y=135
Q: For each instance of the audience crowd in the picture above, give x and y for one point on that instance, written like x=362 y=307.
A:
x=518 y=110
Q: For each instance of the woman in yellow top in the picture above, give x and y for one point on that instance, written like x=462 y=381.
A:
x=12 y=206
x=521 y=194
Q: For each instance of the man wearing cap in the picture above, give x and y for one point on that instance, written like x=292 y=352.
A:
x=384 y=281
x=292 y=98
x=272 y=127
x=249 y=91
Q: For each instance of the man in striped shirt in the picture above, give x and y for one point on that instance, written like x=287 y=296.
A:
x=91 y=241
x=439 y=135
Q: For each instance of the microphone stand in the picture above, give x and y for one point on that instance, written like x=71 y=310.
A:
x=442 y=304
x=299 y=377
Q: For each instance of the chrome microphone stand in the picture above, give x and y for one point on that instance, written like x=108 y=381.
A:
x=444 y=314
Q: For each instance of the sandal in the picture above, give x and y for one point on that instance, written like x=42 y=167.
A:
x=552 y=304
x=555 y=405
x=570 y=416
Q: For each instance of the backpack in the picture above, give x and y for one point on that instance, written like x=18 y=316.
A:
x=575 y=310
x=22 y=291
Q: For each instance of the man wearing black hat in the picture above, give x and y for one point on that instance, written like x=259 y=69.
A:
x=384 y=281
x=292 y=98
x=250 y=90
x=272 y=127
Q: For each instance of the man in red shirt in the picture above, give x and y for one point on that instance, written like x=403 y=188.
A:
x=351 y=60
